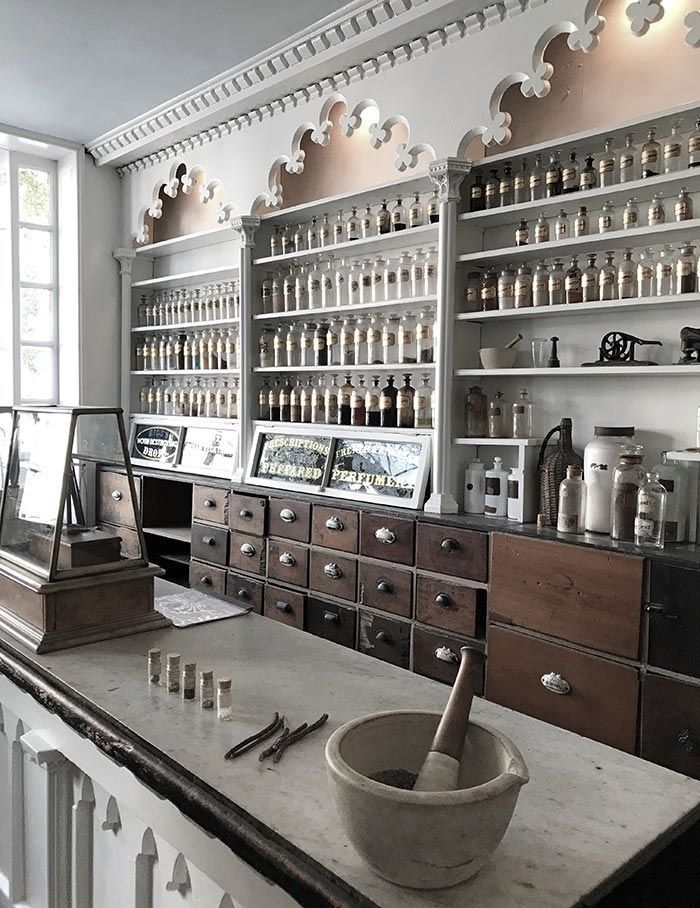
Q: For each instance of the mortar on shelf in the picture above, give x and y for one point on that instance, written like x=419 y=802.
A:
x=422 y=839
x=500 y=357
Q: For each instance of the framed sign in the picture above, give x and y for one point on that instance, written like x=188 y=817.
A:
x=209 y=449
x=157 y=445
x=288 y=459
x=380 y=469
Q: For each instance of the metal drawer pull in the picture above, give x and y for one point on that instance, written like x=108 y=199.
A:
x=248 y=550
x=283 y=607
x=205 y=580
x=449 y=545
x=209 y=503
x=331 y=618
x=245 y=514
x=287 y=559
x=445 y=654
x=243 y=594
x=555 y=683
x=383 y=637
x=385 y=535
x=658 y=610
x=208 y=540
x=444 y=600
x=689 y=740
x=335 y=523
x=385 y=587
x=117 y=495
x=288 y=515
x=332 y=570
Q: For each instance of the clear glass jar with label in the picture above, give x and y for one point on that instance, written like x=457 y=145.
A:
x=417 y=274
x=489 y=291
x=540 y=285
x=561 y=225
x=312 y=234
x=331 y=405
x=408 y=345
x=333 y=342
x=286 y=402
x=404 y=404
x=324 y=233
x=383 y=219
x=537 y=179
x=301 y=289
x=318 y=404
x=542 y=229
x=342 y=282
x=277 y=292
x=347 y=342
x=606 y=164
x=505 y=185
x=306 y=344
x=686 y=270
x=403 y=277
x=372 y=408
x=367 y=223
x=606 y=218
x=299 y=238
x=321 y=344
x=425 y=332
x=264 y=400
x=275 y=245
x=295 y=401
x=358 y=415
x=571 y=516
x=491 y=190
x=286 y=239
x=378 y=269
x=573 y=292
x=416 y=215
x=352 y=226
x=673 y=147
x=589 y=175
x=292 y=346
x=366 y=282
x=279 y=347
x=506 y=289
x=390 y=340
x=313 y=295
x=630 y=215
x=627 y=276
x=607 y=278
x=430 y=272
x=651 y=513
x=472 y=291
x=683 y=209
x=628 y=160
x=628 y=476
x=306 y=395
x=497 y=421
x=556 y=283
x=581 y=222
x=552 y=177
x=589 y=280
x=664 y=271
x=522 y=416
x=434 y=208
x=476 y=413
x=694 y=146
x=354 y=283
x=374 y=341
x=522 y=234
x=423 y=405
x=274 y=400
x=399 y=217
x=387 y=404
x=266 y=293
x=389 y=282
x=570 y=174
x=651 y=156
x=523 y=287
x=645 y=273
x=328 y=297
x=521 y=185
x=657 y=212
x=360 y=341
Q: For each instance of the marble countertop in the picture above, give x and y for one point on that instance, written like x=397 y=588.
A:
x=589 y=817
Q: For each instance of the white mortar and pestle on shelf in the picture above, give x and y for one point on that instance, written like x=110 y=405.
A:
x=459 y=784
x=500 y=357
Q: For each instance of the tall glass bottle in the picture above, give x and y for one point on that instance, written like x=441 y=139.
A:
x=333 y=342
x=434 y=208
x=628 y=160
x=522 y=416
x=589 y=176
x=347 y=342
x=295 y=402
x=627 y=277
x=352 y=226
x=573 y=291
x=651 y=156
x=505 y=186
x=581 y=222
x=498 y=426
x=521 y=186
x=374 y=341
x=686 y=270
x=367 y=223
x=694 y=146
x=383 y=219
x=328 y=297
x=645 y=273
x=571 y=517
x=683 y=209
x=404 y=404
x=324 y=233
x=561 y=225
x=390 y=339
x=630 y=215
x=264 y=400
x=537 y=179
x=664 y=271
x=476 y=413
x=570 y=174
x=422 y=405
x=408 y=347
x=357 y=404
x=299 y=238
x=651 y=513
x=387 y=404
x=540 y=285
x=552 y=178
x=318 y=404
x=331 y=402
x=313 y=278
x=491 y=196
x=366 y=283
x=344 y=401
x=286 y=403
x=306 y=398
x=399 y=219
x=372 y=407
x=607 y=278
x=556 y=284
x=672 y=149
x=657 y=212
x=542 y=229
x=425 y=335
x=360 y=341
x=523 y=287
x=606 y=218
x=606 y=164
x=628 y=476
x=416 y=215
x=312 y=234
x=589 y=280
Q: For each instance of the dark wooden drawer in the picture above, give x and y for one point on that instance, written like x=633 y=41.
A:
x=602 y=698
x=209 y=543
x=245 y=591
x=285 y=606
x=331 y=621
x=114 y=498
x=207 y=578
x=247 y=553
x=449 y=550
x=579 y=594
x=437 y=656
x=388 y=538
x=447 y=605
x=674 y=619
x=385 y=638
x=288 y=562
x=246 y=513
x=335 y=528
x=671 y=724
x=387 y=588
x=335 y=575
x=290 y=519
x=209 y=503
x=130 y=539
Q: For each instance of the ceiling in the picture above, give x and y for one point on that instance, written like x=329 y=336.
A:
x=78 y=68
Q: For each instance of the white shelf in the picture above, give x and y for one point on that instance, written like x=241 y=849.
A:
x=539 y=312
x=615 y=239
x=203 y=422
x=316 y=428
x=186 y=277
x=403 y=239
x=592 y=371
x=176 y=373
x=211 y=237
x=416 y=302
x=182 y=534
x=500 y=442
x=692 y=456
x=398 y=368
x=173 y=329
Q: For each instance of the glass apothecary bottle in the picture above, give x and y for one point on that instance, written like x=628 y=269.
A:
x=607 y=278
x=422 y=405
x=651 y=156
x=295 y=402
x=540 y=285
x=522 y=416
x=387 y=404
x=542 y=229
x=472 y=291
x=374 y=341
x=399 y=217
x=556 y=283
x=417 y=274
x=328 y=284
x=367 y=223
x=299 y=238
x=390 y=281
x=425 y=335
x=476 y=413
x=352 y=226
x=333 y=342
x=344 y=398
x=390 y=338
x=645 y=273
x=416 y=215
x=627 y=277
x=561 y=226
x=589 y=280
x=491 y=190
x=521 y=187
x=581 y=222
x=506 y=289
x=358 y=407
x=552 y=176
x=489 y=291
x=306 y=344
x=628 y=476
x=606 y=218
x=366 y=283
x=572 y=282
x=312 y=235
x=324 y=233
x=278 y=291
x=628 y=160
x=339 y=228
x=683 y=209
x=360 y=341
x=571 y=517
x=498 y=427
x=403 y=276
x=347 y=342
x=523 y=287
x=404 y=404
x=522 y=234
x=306 y=401
x=331 y=401
x=651 y=513
x=589 y=175
x=606 y=164
x=285 y=403
x=537 y=179
x=570 y=174
x=274 y=401
x=408 y=346
x=301 y=289
x=314 y=296
x=383 y=219
x=321 y=344
x=630 y=215
x=686 y=270
x=354 y=283
x=279 y=347
x=694 y=146
x=505 y=186
x=264 y=400
x=664 y=271
x=430 y=272
x=372 y=404
x=657 y=213
x=292 y=345
x=672 y=149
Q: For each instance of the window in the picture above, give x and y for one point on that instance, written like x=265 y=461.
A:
x=28 y=280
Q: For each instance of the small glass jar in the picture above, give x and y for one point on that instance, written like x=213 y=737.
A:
x=657 y=213
x=571 y=516
x=154 y=666
x=556 y=284
x=686 y=270
x=476 y=413
x=630 y=215
x=540 y=285
x=606 y=218
x=206 y=689
x=627 y=477
x=523 y=288
x=522 y=234
x=489 y=291
x=664 y=271
x=683 y=209
x=172 y=672
x=651 y=512
x=561 y=226
x=224 y=702
x=472 y=291
x=645 y=274
x=581 y=222
x=589 y=280
x=542 y=229
x=506 y=289
x=498 y=427
x=522 y=416
x=573 y=292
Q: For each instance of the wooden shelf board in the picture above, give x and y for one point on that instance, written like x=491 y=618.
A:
x=186 y=277
x=592 y=371
x=416 y=302
x=580 y=308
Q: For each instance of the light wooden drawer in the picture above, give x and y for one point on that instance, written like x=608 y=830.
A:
x=129 y=538
x=209 y=503
x=388 y=538
x=208 y=579
x=387 y=588
x=332 y=622
x=335 y=528
x=209 y=543
x=285 y=606
x=447 y=605
x=385 y=638
x=437 y=656
x=290 y=519
x=247 y=513
x=335 y=575
x=452 y=551
x=247 y=553
x=671 y=724
x=288 y=562
x=114 y=498
x=245 y=591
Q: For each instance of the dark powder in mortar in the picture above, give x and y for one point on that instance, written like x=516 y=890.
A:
x=397 y=778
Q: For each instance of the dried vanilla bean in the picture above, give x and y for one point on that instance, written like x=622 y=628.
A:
x=255 y=739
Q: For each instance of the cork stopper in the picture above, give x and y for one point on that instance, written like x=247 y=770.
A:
x=154 y=655
x=224 y=684
x=173 y=660
x=190 y=668
x=207 y=676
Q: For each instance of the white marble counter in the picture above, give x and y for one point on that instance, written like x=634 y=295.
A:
x=580 y=826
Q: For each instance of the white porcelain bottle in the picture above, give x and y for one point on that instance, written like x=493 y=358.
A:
x=474 y=488
x=600 y=457
x=496 y=490
x=515 y=482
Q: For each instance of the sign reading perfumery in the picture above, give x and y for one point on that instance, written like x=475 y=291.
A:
x=209 y=450
x=380 y=468
x=156 y=444
x=289 y=459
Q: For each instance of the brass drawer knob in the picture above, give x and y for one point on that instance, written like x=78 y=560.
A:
x=554 y=682
x=283 y=607
x=335 y=523
x=444 y=600
x=243 y=594
x=288 y=515
x=208 y=540
x=245 y=514
x=689 y=740
x=117 y=495
x=205 y=580
x=332 y=570
x=247 y=549
x=383 y=637
x=385 y=535
x=385 y=587
x=445 y=654
x=209 y=503
x=331 y=618
x=449 y=545
x=287 y=559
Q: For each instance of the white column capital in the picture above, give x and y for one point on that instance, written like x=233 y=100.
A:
x=447 y=174
x=246 y=225
x=125 y=257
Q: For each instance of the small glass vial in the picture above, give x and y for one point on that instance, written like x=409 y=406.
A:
x=664 y=271
x=537 y=178
x=154 y=666
x=521 y=189
x=383 y=219
x=416 y=215
x=607 y=278
x=657 y=213
x=627 y=277
x=630 y=215
x=540 y=285
x=506 y=289
x=561 y=226
x=606 y=218
x=694 y=146
x=556 y=284
x=686 y=270
x=542 y=229
x=189 y=680
x=651 y=156
x=628 y=160
x=224 y=703
x=498 y=427
x=172 y=672
x=399 y=219
x=206 y=689
x=505 y=186
x=570 y=174
x=522 y=416
x=522 y=234
x=606 y=164
x=645 y=274
x=589 y=175
x=573 y=291
x=672 y=149
x=523 y=288
x=571 y=517
x=683 y=209
x=581 y=222
x=651 y=513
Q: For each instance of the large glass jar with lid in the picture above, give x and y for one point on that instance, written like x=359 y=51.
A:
x=651 y=512
x=476 y=413
x=506 y=289
x=630 y=215
x=523 y=287
x=540 y=285
x=686 y=270
x=498 y=424
x=628 y=476
x=599 y=459
x=408 y=347
x=425 y=335
x=656 y=213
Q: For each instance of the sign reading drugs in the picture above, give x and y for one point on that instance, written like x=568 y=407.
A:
x=156 y=444
x=289 y=459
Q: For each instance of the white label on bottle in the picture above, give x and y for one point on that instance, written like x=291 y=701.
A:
x=385 y=402
x=656 y=214
x=561 y=228
x=567 y=523
x=643 y=527
x=542 y=233
x=587 y=179
x=536 y=179
x=650 y=155
x=568 y=174
x=682 y=211
x=520 y=182
x=573 y=282
x=605 y=222
x=672 y=150
x=555 y=284
x=581 y=225
x=630 y=218
x=607 y=165
x=388 y=339
x=626 y=160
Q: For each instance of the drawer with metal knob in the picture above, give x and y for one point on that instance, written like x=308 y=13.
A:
x=385 y=638
x=331 y=621
x=247 y=553
x=208 y=579
x=452 y=551
x=586 y=694
x=245 y=591
x=114 y=503
x=388 y=538
x=286 y=606
x=209 y=503
x=247 y=513
x=335 y=575
x=290 y=519
x=288 y=562
x=209 y=543
x=447 y=605
x=671 y=723
x=437 y=656
x=387 y=588
x=335 y=528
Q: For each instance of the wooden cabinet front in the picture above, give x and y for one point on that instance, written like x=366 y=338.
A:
x=247 y=553
x=209 y=543
x=290 y=519
x=288 y=562
x=671 y=724
x=331 y=621
x=385 y=638
x=586 y=694
x=208 y=579
x=452 y=551
x=437 y=656
x=386 y=588
x=674 y=619
x=334 y=575
x=579 y=594
x=387 y=538
x=245 y=591
x=285 y=606
x=247 y=513
x=114 y=503
x=335 y=528
x=446 y=605
x=210 y=503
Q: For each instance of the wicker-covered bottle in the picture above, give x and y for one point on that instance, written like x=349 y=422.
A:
x=552 y=467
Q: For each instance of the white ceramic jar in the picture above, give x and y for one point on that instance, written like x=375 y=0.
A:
x=474 y=487
x=496 y=491
x=599 y=459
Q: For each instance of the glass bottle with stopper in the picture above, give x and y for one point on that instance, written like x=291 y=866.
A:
x=628 y=476
x=475 y=413
x=497 y=417
x=522 y=415
x=650 y=514
x=571 y=517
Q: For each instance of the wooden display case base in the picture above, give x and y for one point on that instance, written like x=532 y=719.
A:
x=51 y=616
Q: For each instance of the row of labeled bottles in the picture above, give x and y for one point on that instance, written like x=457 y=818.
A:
x=495 y=418
x=321 y=233
x=190 y=304
x=325 y=401
x=208 y=399
x=344 y=282
x=494 y=492
x=553 y=175
x=195 y=350
x=350 y=341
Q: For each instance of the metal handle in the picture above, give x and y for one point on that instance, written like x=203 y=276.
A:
x=449 y=545
x=288 y=515
x=445 y=654
x=283 y=607
x=554 y=682
x=208 y=540
x=444 y=600
x=287 y=559
x=205 y=580
x=245 y=514
x=117 y=495
x=331 y=618
x=248 y=550
x=659 y=610
x=383 y=637
x=385 y=587
x=385 y=535
x=335 y=523
x=209 y=503
x=332 y=570
x=689 y=740
x=243 y=594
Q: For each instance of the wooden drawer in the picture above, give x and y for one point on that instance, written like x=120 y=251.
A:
x=129 y=538
x=247 y=513
x=386 y=588
x=288 y=562
x=331 y=621
x=388 y=538
x=449 y=550
x=209 y=543
x=335 y=528
x=671 y=724
x=245 y=591
x=285 y=606
x=385 y=638
x=570 y=591
x=602 y=700
x=208 y=579
x=247 y=553
x=674 y=619
x=443 y=667
x=114 y=498
x=209 y=503
x=290 y=519
x=335 y=575
x=446 y=605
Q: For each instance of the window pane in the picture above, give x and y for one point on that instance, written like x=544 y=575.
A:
x=36 y=373
x=35 y=309
x=34 y=256
x=34 y=196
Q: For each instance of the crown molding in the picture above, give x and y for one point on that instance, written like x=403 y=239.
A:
x=333 y=52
